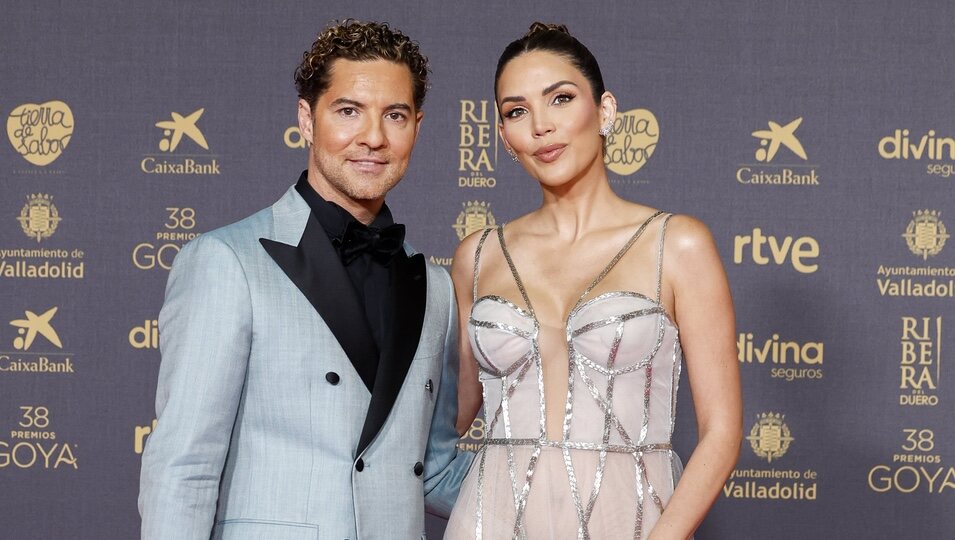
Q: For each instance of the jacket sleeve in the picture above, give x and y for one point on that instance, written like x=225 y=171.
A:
x=445 y=464
x=205 y=329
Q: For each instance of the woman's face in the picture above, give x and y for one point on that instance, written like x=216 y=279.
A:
x=549 y=118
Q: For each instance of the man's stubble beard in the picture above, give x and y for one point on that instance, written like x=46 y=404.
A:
x=353 y=185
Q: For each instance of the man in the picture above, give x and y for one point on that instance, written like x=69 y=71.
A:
x=306 y=354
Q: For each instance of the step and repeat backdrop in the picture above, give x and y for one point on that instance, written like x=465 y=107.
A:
x=816 y=139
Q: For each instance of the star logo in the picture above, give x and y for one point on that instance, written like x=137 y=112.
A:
x=770 y=140
x=35 y=324
x=180 y=125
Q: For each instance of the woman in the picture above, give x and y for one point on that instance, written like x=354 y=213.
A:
x=577 y=317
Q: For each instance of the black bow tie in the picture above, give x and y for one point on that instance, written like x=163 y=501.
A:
x=382 y=244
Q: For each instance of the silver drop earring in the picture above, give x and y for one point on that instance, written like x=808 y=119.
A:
x=604 y=131
x=513 y=155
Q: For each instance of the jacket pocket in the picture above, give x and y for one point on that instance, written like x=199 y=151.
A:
x=264 y=529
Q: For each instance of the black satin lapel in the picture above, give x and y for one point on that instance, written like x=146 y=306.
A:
x=411 y=289
x=315 y=269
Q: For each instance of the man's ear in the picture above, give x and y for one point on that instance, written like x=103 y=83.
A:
x=305 y=121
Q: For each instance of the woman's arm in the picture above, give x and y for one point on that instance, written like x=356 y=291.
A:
x=703 y=308
x=469 y=388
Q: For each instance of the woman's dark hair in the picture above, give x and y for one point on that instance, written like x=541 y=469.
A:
x=554 y=38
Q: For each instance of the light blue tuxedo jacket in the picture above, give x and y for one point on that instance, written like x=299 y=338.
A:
x=261 y=412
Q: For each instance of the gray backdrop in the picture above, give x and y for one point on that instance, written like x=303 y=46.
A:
x=835 y=241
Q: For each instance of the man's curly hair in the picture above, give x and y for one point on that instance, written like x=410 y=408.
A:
x=359 y=41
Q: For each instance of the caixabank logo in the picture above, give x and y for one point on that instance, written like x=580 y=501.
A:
x=40 y=132
x=631 y=142
x=35 y=346
x=781 y=158
x=39 y=219
x=923 y=238
x=183 y=149
x=936 y=152
x=770 y=439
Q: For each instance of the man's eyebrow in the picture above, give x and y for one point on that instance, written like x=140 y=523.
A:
x=544 y=92
x=345 y=101
x=400 y=106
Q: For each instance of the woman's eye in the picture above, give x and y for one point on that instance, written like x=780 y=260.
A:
x=515 y=112
x=560 y=99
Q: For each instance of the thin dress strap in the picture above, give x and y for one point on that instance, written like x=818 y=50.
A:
x=663 y=232
x=477 y=262
x=517 y=276
x=613 y=262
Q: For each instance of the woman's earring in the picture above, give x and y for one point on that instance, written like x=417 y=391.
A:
x=513 y=155
x=604 y=131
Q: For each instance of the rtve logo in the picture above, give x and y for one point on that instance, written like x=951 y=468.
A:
x=762 y=249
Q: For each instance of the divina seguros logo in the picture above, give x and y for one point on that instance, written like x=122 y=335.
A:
x=787 y=173
x=174 y=131
x=905 y=145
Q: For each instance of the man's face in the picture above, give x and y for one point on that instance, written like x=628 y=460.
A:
x=362 y=130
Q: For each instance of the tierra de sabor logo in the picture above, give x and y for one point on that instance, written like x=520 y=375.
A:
x=906 y=145
x=920 y=363
x=770 y=439
x=631 y=142
x=800 y=253
x=34 y=444
x=40 y=132
x=769 y=171
x=477 y=144
x=916 y=468
x=179 y=131
x=37 y=346
x=925 y=237
x=785 y=359
x=39 y=219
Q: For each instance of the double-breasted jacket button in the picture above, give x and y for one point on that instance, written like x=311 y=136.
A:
x=332 y=377
x=418 y=468
x=359 y=465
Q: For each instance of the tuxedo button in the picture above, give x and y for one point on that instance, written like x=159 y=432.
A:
x=332 y=377
x=359 y=465
x=418 y=468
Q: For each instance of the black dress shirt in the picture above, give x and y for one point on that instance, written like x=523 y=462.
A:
x=373 y=281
